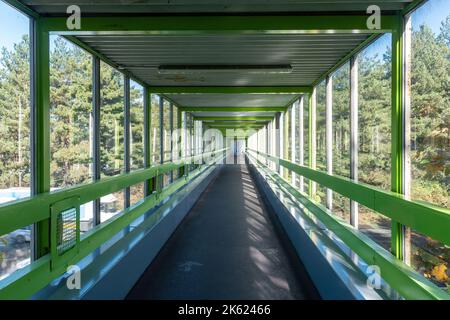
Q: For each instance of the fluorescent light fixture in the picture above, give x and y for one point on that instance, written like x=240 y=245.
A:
x=193 y=69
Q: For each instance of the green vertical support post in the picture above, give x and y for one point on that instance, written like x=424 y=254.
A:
x=179 y=137
x=127 y=135
x=397 y=135
x=286 y=142
x=171 y=142
x=312 y=139
x=41 y=128
x=147 y=138
x=96 y=174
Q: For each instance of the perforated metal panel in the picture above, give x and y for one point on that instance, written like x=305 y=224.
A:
x=67 y=230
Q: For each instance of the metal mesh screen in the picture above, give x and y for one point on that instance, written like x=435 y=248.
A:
x=67 y=230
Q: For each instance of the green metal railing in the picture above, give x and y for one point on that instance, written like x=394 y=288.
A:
x=427 y=219
x=23 y=283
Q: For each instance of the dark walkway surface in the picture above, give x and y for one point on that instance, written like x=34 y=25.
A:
x=226 y=248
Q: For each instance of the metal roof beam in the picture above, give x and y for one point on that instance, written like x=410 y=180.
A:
x=232 y=24
x=235 y=118
x=233 y=109
x=233 y=90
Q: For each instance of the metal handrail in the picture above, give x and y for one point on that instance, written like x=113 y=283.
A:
x=423 y=217
x=24 y=282
x=400 y=276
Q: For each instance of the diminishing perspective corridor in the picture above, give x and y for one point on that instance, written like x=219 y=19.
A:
x=226 y=248
x=225 y=150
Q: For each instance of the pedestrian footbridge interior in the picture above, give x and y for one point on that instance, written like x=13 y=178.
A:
x=225 y=150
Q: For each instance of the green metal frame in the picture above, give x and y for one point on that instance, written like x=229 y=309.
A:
x=397 y=132
x=233 y=90
x=235 y=118
x=41 y=122
x=234 y=24
x=428 y=219
x=425 y=218
x=233 y=109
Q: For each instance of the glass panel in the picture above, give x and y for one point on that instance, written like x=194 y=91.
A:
x=111 y=136
x=430 y=128
x=70 y=114
x=155 y=127
x=306 y=139
x=111 y=204
x=136 y=193
x=288 y=144
x=374 y=119
x=341 y=135
x=111 y=121
x=321 y=162
x=14 y=130
x=167 y=136
x=137 y=126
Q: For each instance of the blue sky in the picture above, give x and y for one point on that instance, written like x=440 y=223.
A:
x=13 y=24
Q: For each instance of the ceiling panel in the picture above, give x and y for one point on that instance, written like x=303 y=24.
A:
x=310 y=55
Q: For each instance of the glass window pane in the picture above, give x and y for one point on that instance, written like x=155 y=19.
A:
x=321 y=162
x=430 y=129
x=155 y=133
x=70 y=114
x=374 y=127
x=167 y=136
x=111 y=204
x=341 y=136
x=167 y=133
x=136 y=193
x=111 y=135
x=14 y=130
x=137 y=126
x=306 y=139
x=111 y=120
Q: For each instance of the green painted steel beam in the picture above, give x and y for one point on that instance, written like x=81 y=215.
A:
x=258 y=125
x=238 y=122
x=232 y=90
x=233 y=109
x=428 y=219
x=41 y=130
x=401 y=277
x=236 y=118
x=230 y=24
x=397 y=134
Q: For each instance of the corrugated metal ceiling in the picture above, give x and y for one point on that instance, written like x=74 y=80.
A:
x=309 y=55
